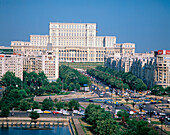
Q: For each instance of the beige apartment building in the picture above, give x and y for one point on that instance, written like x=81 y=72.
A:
x=32 y=62
x=12 y=63
x=153 y=68
x=42 y=61
x=163 y=68
x=74 y=42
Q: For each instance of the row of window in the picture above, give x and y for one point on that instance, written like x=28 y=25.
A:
x=72 y=26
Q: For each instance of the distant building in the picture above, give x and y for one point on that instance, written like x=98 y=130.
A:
x=153 y=68
x=50 y=65
x=12 y=63
x=32 y=62
x=140 y=64
x=74 y=42
x=6 y=50
x=163 y=68
x=46 y=62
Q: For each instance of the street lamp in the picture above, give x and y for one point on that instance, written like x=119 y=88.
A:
x=161 y=120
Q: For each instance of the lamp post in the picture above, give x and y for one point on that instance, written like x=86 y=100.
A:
x=161 y=120
x=164 y=93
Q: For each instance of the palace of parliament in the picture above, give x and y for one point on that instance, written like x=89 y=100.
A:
x=74 y=42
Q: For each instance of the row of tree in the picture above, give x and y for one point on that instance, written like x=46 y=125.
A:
x=103 y=123
x=72 y=78
x=49 y=104
x=117 y=79
x=159 y=90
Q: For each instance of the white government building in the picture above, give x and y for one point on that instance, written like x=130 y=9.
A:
x=74 y=42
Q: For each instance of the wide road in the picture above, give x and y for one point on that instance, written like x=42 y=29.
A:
x=25 y=114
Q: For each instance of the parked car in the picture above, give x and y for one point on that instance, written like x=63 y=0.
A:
x=82 y=113
x=132 y=112
x=29 y=110
x=66 y=113
x=47 y=111
x=90 y=100
x=162 y=114
x=75 y=111
x=57 y=112
x=168 y=101
x=38 y=110
x=142 y=113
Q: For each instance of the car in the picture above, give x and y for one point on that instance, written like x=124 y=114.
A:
x=47 y=111
x=38 y=110
x=29 y=110
x=82 y=113
x=101 y=95
x=57 y=112
x=66 y=113
x=159 y=101
x=142 y=113
x=132 y=112
x=168 y=101
x=162 y=114
x=75 y=111
x=90 y=100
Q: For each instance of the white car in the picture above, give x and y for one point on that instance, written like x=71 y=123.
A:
x=66 y=113
x=81 y=113
x=29 y=110
x=38 y=111
x=75 y=111
x=132 y=112
x=143 y=113
x=162 y=114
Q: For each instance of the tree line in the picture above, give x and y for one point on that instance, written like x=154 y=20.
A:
x=33 y=84
x=103 y=123
x=117 y=79
x=72 y=79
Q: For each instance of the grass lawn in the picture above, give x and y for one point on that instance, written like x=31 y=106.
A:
x=82 y=65
x=156 y=122
x=86 y=127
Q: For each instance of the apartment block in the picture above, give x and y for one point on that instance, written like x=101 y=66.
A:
x=140 y=64
x=153 y=68
x=163 y=68
x=42 y=61
x=12 y=63
x=50 y=65
x=74 y=42
x=32 y=62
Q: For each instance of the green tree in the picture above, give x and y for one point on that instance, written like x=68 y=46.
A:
x=123 y=114
x=35 y=105
x=74 y=104
x=47 y=104
x=9 y=79
x=40 y=91
x=106 y=127
x=157 y=89
x=24 y=105
x=59 y=105
x=34 y=115
x=4 y=111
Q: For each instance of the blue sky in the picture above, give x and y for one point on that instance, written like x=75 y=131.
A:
x=143 y=22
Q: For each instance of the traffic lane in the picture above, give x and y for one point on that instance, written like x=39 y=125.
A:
x=25 y=114
x=151 y=107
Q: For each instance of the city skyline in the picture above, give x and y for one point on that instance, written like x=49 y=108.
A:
x=145 y=23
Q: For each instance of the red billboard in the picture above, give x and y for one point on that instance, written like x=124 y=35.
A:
x=168 y=52
x=160 y=52
x=163 y=52
x=1 y=55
